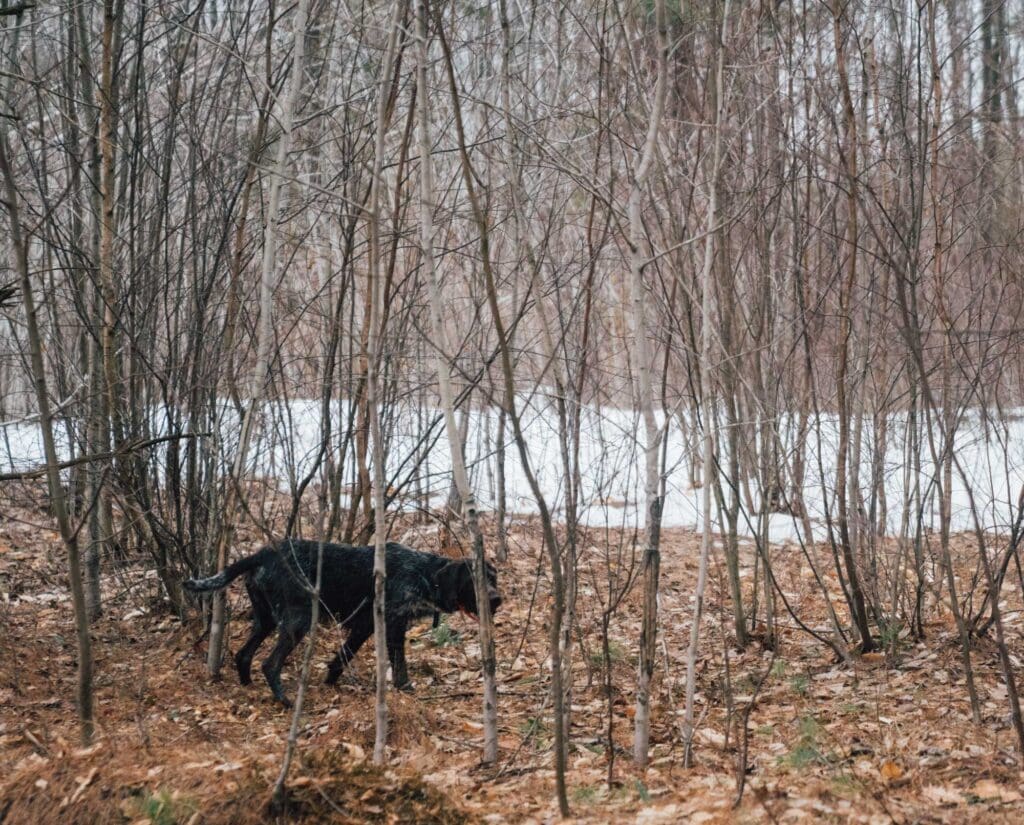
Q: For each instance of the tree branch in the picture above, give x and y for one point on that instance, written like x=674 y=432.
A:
x=16 y=9
x=125 y=449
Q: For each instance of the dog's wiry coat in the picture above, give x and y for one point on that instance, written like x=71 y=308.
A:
x=279 y=579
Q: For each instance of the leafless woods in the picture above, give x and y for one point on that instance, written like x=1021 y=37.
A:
x=336 y=245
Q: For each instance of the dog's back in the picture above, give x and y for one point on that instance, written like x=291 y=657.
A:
x=287 y=576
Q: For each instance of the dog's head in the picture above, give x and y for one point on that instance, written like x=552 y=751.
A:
x=457 y=592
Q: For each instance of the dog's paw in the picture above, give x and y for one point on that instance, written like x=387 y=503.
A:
x=407 y=687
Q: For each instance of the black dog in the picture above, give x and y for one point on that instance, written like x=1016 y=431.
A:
x=280 y=577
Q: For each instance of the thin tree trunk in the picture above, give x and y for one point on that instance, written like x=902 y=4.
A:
x=847 y=282
x=278 y=182
x=108 y=149
x=456 y=438
x=652 y=433
x=373 y=355
x=307 y=661
x=947 y=415
x=57 y=498
x=547 y=524
x=706 y=390
x=501 y=507
x=106 y=380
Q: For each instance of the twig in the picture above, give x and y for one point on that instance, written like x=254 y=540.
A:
x=31 y=737
x=17 y=8
x=741 y=779
x=125 y=449
x=7 y=291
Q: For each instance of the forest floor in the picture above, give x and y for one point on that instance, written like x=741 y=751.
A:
x=888 y=739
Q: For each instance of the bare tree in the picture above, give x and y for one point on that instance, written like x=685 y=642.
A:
x=708 y=416
x=268 y=279
x=441 y=346
x=511 y=407
x=373 y=355
x=58 y=502
x=652 y=475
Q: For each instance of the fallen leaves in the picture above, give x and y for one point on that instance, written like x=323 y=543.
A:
x=892 y=738
x=986 y=789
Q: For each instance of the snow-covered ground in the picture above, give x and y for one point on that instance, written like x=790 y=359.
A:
x=611 y=456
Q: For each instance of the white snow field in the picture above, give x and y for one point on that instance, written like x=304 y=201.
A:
x=989 y=454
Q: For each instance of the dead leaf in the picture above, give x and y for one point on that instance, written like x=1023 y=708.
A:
x=890 y=771
x=942 y=795
x=712 y=737
x=655 y=816
x=83 y=783
x=353 y=750
x=987 y=789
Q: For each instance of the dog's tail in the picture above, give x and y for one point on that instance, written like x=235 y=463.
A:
x=228 y=574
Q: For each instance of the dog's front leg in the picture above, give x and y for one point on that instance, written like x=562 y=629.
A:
x=396 y=653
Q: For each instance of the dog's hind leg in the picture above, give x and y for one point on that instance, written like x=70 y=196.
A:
x=360 y=630
x=288 y=636
x=263 y=624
